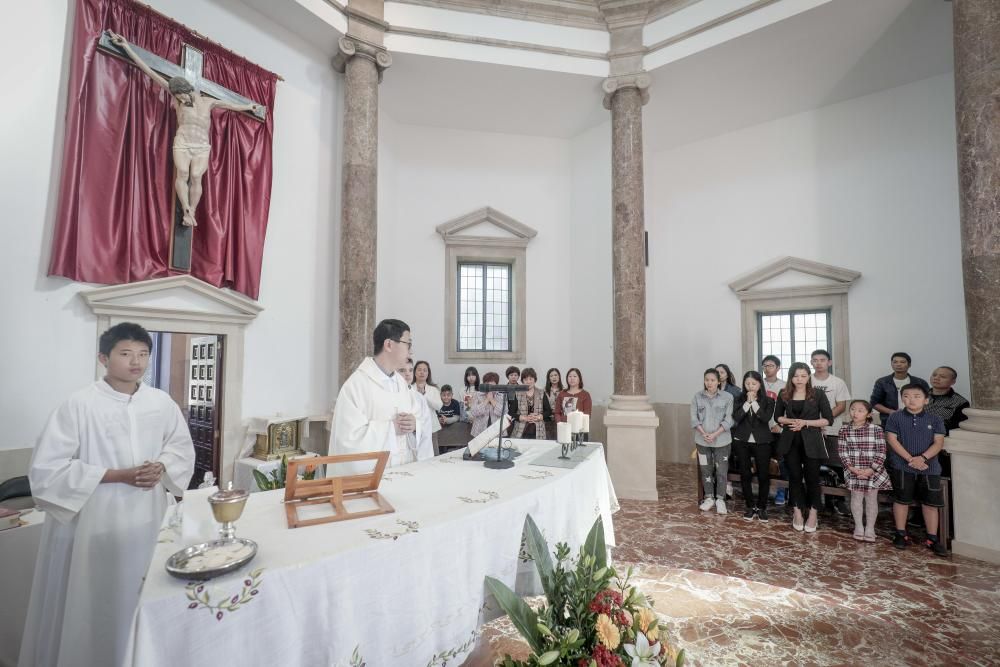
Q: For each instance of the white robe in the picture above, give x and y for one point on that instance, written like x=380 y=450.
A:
x=98 y=538
x=363 y=419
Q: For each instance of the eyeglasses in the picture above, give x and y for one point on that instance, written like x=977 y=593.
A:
x=770 y=366
x=408 y=343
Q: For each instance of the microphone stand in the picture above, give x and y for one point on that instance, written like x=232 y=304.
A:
x=500 y=463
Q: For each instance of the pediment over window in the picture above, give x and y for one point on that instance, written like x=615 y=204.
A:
x=176 y=297
x=793 y=276
x=486 y=226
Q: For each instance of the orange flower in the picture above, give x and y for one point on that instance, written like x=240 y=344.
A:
x=607 y=632
x=646 y=618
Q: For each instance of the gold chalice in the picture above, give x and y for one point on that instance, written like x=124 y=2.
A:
x=227 y=507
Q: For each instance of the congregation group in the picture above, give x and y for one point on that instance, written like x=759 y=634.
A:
x=811 y=425
x=534 y=411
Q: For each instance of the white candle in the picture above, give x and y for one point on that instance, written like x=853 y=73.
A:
x=586 y=423
x=563 y=432
x=575 y=421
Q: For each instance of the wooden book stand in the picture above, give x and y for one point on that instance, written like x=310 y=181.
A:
x=334 y=490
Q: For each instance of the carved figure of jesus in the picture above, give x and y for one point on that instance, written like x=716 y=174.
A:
x=191 y=144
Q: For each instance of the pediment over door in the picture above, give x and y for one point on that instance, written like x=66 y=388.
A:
x=177 y=297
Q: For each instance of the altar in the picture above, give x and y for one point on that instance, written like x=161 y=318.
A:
x=400 y=589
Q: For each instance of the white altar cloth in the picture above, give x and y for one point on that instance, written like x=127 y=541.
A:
x=403 y=589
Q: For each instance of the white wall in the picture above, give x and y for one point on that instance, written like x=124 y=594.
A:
x=593 y=297
x=428 y=176
x=49 y=336
x=869 y=184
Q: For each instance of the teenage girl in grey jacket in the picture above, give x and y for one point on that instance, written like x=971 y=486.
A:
x=711 y=419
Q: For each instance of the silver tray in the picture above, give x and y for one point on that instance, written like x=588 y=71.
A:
x=211 y=559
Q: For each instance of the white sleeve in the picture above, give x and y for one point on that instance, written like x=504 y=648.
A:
x=177 y=455
x=433 y=397
x=61 y=483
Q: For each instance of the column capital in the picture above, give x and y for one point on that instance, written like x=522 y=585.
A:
x=638 y=80
x=350 y=47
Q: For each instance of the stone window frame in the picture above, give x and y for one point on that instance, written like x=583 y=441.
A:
x=832 y=296
x=492 y=249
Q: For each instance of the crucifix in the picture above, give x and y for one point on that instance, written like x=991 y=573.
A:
x=194 y=97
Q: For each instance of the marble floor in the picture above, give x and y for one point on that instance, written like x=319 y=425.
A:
x=744 y=593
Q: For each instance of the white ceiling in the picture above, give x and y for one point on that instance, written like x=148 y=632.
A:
x=837 y=51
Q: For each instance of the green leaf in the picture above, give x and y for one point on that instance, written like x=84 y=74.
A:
x=595 y=545
x=573 y=635
x=263 y=483
x=521 y=615
x=538 y=549
x=681 y=658
x=597 y=576
x=548 y=658
x=543 y=629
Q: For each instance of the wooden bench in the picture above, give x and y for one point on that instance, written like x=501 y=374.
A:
x=944 y=513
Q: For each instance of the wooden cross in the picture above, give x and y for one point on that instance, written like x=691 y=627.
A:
x=191 y=67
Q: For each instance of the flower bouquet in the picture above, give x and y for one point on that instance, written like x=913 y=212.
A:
x=276 y=480
x=592 y=617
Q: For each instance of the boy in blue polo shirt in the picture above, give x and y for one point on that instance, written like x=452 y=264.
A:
x=915 y=439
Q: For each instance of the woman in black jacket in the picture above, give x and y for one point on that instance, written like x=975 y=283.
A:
x=802 y=413
x=752 y=437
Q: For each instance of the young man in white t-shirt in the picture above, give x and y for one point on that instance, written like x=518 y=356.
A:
x=838 y=395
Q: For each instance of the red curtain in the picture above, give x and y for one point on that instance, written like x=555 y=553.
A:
x=113 y=223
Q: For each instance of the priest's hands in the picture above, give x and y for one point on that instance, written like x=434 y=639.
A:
x=405 y=423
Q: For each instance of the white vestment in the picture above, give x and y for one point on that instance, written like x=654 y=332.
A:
x=98 y=538
x=363 y=419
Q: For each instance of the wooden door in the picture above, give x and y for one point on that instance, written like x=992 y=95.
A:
x=204 y=367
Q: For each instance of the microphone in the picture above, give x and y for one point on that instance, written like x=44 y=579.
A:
x=503 y=388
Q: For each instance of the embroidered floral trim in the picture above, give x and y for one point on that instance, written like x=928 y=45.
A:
x=389 y=476
x=489 y=495
x=441 y=659
x=198 y=594
x=538 y=474
x=408 y=527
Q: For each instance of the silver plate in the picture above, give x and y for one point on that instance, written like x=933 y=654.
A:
x=211 y=559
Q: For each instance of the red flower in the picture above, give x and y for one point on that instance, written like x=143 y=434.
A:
x=604 y=601
x=603 y=656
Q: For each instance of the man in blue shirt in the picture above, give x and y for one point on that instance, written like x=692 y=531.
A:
x=887 y=390
x=915 y=438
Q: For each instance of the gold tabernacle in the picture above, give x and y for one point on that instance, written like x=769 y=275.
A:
x=282 y=438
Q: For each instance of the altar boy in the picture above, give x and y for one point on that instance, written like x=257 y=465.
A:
x=101 y=470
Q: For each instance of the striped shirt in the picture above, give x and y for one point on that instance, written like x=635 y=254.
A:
x=916 y=434
x=949 y=407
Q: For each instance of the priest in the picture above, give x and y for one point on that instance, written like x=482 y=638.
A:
x=102 y=470
x=375 y=409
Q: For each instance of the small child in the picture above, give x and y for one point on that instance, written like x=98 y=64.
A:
x=451 y=410
x=861 y=445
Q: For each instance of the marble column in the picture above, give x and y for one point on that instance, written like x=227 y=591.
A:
x=362 y=65
x=630 y=420
x=975 y=447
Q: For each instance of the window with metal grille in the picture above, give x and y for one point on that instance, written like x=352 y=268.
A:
x=484 y=307
x=793 y=335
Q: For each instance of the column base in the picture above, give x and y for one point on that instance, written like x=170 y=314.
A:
x=631 y=448
x=975 y=469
